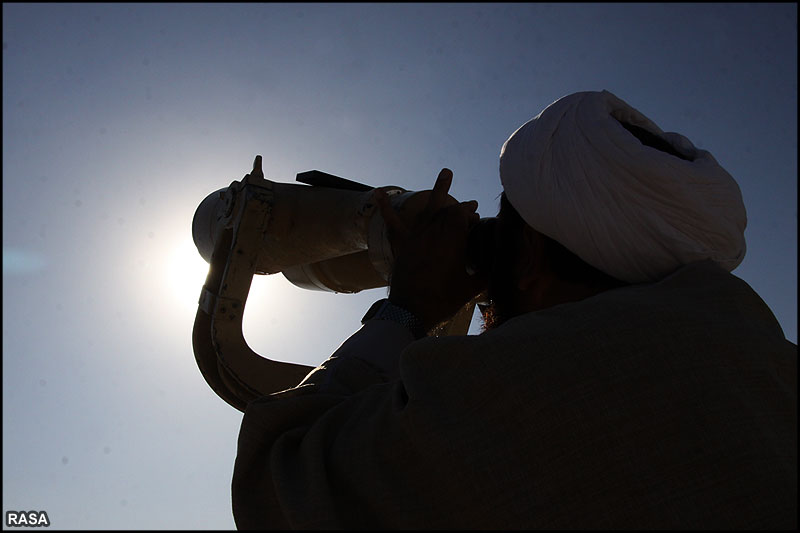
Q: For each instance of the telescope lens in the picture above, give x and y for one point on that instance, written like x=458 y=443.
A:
x=480 y=246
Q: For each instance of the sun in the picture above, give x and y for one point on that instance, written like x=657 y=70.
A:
x=185 y=273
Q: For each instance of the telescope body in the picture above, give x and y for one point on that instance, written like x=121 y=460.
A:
x=328 y=236
x=320 y=238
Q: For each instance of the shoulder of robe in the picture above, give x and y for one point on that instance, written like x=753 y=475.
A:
x=700 y=308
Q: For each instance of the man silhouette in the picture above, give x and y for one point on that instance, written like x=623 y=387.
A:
x=625 y=379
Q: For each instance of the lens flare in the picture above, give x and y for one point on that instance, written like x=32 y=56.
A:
x=185 y=273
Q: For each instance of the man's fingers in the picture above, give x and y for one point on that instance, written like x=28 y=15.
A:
x=257 y=172
x=467 y=210
x=470 y=207
x=438 y=195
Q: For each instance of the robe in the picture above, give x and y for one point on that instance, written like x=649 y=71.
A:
x=662 y=405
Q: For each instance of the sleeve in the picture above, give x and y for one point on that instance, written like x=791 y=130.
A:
x=284 y=437
x=354 y=448
x=371 y=355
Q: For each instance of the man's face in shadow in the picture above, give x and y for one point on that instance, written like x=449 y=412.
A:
x=502 y=287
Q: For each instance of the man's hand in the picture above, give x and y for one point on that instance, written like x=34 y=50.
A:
x=429 y=277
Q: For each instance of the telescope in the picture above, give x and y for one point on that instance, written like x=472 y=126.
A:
x=323 y=233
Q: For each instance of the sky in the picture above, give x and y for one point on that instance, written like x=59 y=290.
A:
x=118 y=119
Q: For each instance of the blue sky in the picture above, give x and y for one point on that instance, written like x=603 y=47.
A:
x=119 y=119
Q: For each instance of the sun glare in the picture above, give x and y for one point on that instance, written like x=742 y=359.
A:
x=185 y=274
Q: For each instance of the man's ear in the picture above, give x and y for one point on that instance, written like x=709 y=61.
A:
x=531 y=264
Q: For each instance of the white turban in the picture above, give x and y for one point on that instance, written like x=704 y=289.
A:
x=637 y=213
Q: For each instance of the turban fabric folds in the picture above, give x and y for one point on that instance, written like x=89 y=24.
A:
x=599 y=177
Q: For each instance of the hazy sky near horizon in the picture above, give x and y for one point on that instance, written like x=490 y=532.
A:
x=118 y=119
